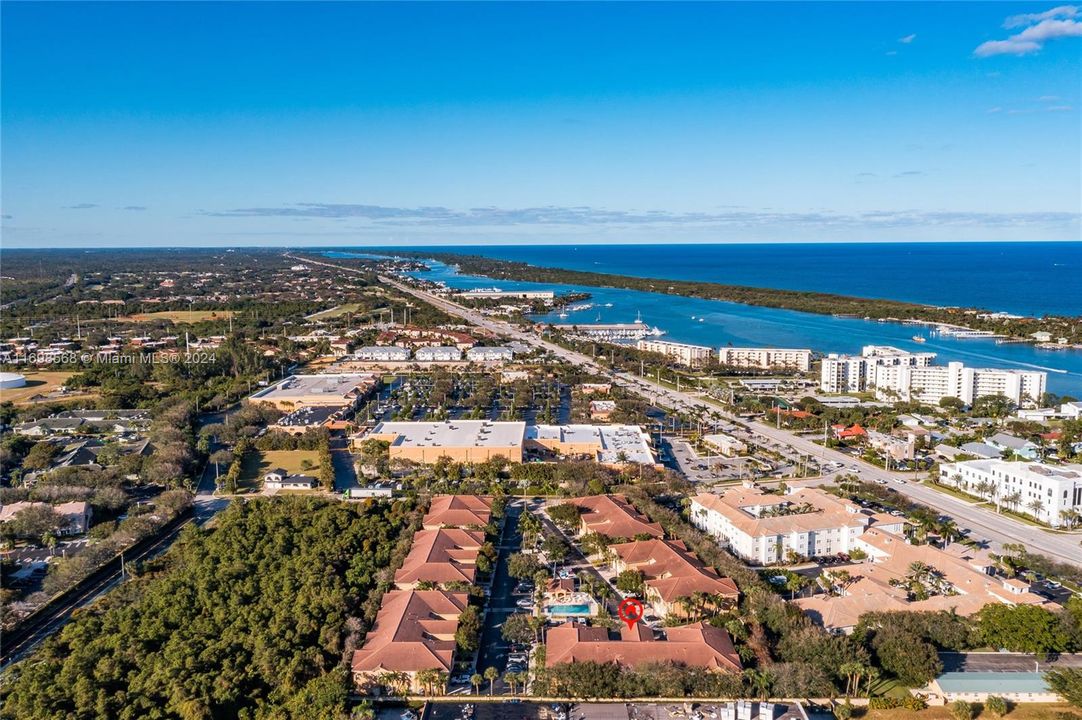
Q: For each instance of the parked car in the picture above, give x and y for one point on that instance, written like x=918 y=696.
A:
x=525 y=603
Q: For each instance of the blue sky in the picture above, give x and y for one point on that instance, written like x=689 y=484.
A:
x=349 y=123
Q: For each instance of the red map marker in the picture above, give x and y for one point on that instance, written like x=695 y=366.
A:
x=630 y=611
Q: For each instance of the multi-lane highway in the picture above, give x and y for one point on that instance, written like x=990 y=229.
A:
x=983 y=522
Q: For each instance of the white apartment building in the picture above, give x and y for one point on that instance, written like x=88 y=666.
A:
x=690 y=355
x=482 y=353
x=766 y=358
x=382 y=353
x=1056 y=487
x=854 y=373
x=932 y=383
x=441 y=353
x=763 y=528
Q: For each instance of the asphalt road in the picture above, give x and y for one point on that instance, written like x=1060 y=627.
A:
x=205 y=505
x=56 y=616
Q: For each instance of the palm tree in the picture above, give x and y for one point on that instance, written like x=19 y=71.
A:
x=427 y=678
x=871 y=674
x=838 y=580
x=1013 y=499
x=1037 y=507
x=852 y=672
x=476 y=679
x=491 y=674
x=1069 y=517
x=537 y=624
x=948 y=530
x=760 y=681
x=687 y=604
x=794 y=583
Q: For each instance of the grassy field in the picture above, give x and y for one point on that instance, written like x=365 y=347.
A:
x=259 y=463
x=336 y=311
x=179 y=316
x=1034 y=711
x=41 y=383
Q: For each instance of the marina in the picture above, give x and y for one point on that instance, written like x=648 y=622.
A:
x=748 y=325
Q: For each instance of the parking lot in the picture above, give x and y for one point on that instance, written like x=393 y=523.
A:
x=1005 y=662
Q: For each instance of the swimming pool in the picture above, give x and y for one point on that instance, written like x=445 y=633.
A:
x=582 y=609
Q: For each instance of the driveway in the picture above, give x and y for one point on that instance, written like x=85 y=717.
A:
x=501 y=601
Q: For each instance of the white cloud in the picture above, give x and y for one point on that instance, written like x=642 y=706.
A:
x=994 y=110
x=1042 y=27
x=1060 y=108
x=908 y=38
x=1063 y=11
x=1048 y=98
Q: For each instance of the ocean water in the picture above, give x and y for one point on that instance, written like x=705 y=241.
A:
x=717 y=323
x=1030 y=278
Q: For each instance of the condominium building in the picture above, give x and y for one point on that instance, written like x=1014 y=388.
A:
x=854 y=373
x=932 y=383
x=414 y=631
x=458 y=511
x=695 y=645
x=764 y=528
x=440 y=556
x=1048 y=492
x=900 y=577
x=486 y=353
x=766 y=358
x=690 y=355
x=614 y=517
x=382 y=353
x=672 y=576
x=437 y=353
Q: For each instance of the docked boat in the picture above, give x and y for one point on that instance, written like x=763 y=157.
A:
x=919 y=338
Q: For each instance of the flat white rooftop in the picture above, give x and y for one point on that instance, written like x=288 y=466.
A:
x=616 y=442
x=454 y=433
x=336 y=385
x=1030 y=470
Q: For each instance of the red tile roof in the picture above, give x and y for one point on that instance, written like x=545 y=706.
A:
x=613 y=516
x=443 y=555
x=698 y=645
x=414 y=631
x=458 y=511
x=673 y=571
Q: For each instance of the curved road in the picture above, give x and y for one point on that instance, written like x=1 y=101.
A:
x=983 y=522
